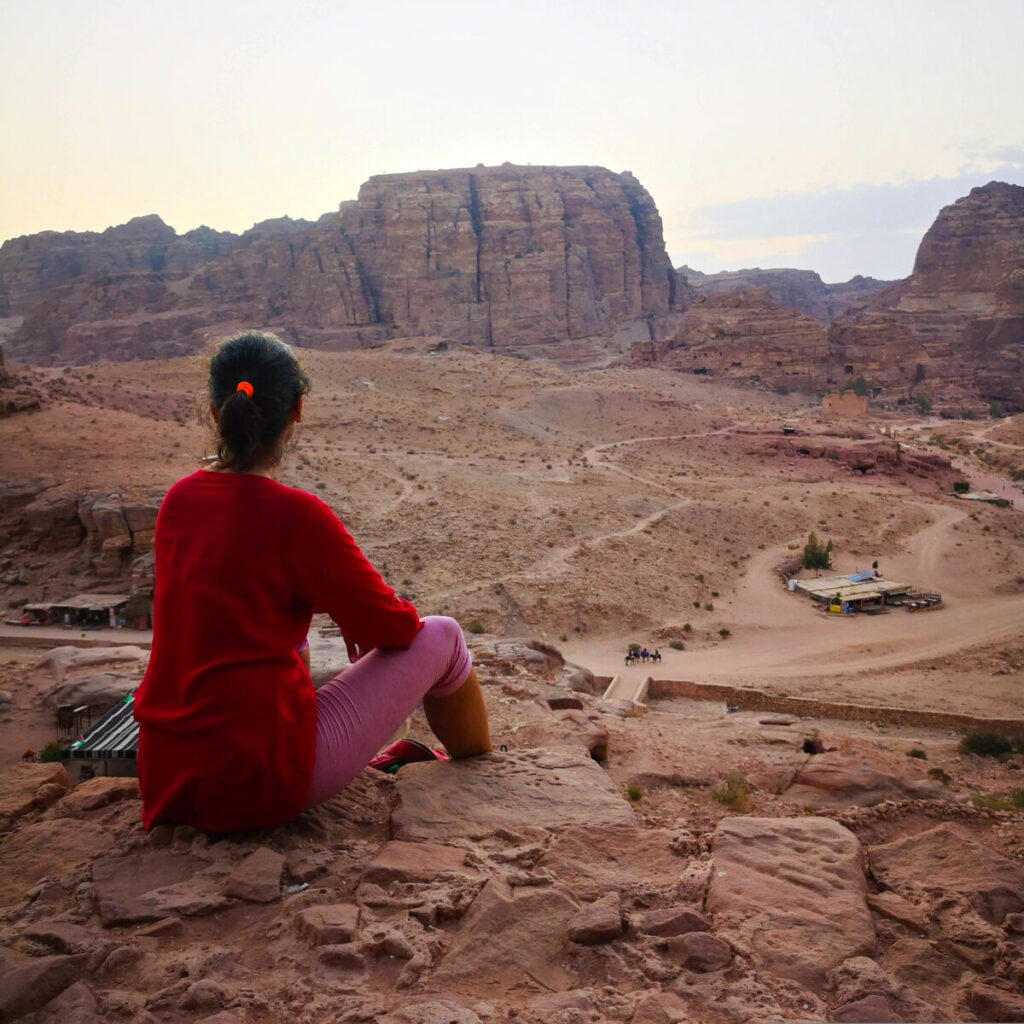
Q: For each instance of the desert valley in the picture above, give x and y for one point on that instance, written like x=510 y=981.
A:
x=529 y=420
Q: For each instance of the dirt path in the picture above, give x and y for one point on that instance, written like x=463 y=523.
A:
x=778 y=635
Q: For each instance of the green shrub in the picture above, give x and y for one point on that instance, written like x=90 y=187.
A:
x=476 y=626
x=687 y=628
x=940 y=775
x=993 y=801
x=961 y=487
x=923 y=401
x=918 y=753
x=733 y=793
x=634 y=793
x=51 y=752
x=816 y=554
x=677 y=645
x=985 y=744
x=724 y=632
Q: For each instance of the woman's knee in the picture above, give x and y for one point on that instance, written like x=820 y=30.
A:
x=443 y=630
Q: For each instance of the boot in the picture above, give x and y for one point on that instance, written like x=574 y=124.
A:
x=459 y=720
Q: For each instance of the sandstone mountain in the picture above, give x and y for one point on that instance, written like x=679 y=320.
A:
x=956 y=325
x=545 y=261
x=744 y=335
x=802 y=290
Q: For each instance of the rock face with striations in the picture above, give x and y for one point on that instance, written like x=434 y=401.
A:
x=802 y=290
x=744 y=335
x=956 y=325
x=560 y=262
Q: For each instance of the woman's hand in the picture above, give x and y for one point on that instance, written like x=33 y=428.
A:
x=354 y=652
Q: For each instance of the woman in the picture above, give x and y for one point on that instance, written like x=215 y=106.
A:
x=231 y=733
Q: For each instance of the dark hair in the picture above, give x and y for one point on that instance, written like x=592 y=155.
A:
x=250 y=429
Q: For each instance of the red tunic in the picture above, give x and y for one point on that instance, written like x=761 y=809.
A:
x=226 y=711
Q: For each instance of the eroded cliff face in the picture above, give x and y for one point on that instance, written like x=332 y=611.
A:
x=566 y=263
x=955 y=327
x=744 y=335
x=802 y=290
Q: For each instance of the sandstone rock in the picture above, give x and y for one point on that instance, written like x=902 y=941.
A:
x=345 y=955
x=699 y=951
x=75 y=1005
x=923 y=966
x=100 y=791
x=28 y=988
x=204 y=994
x=596 y=860
x=790 y=893
x=989 y=1002
x=558 y=261
x=896 y=908
x=873 y=1008
x=397 y=861
x=834 y=780
x=955 y=322
x=597 y=922
x=258 y=878
x=509 y=936
x=673 y=921
x=330 y=924
x=122 y=884
x=110 y=563
x=100 y=689
x=858 y=977
x=21 y=785
x=59 y=661
x=1014 y=923
x=551 y=789
x=48 y=848
x=53 y=520
x=166 y=927
x=946 y=859
x=432 y=1012
x=743 y=335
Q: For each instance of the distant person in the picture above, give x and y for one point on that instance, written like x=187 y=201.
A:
x=231 y=733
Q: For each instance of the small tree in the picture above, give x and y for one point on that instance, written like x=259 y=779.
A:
x=923 y=401
x=860 y=387
x=817 y=555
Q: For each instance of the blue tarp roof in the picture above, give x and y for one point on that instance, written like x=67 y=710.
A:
x=861 y=577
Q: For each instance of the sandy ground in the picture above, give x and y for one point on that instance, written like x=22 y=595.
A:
x=595 y=509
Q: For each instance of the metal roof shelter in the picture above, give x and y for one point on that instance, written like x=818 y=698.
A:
x=114 y=737
x=825 y=588
x=92 y=602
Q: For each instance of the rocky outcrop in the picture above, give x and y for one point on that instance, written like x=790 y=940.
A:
x=802 y=290
x=560 y=262
x=32 y=265
x=743 y=335
x=955 y=327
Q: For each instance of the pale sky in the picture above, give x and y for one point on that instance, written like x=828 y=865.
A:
x=821 y=135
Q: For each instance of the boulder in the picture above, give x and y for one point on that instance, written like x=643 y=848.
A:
x=99 y=792
x=329 y=924
x=790 y=893
x=552 y=789
x=258 y=878
x=397 y=861
x=698 y=951
x=992 y=1002
x=510 y=936
x=597 y=922
x=54 y=523
x=54 y=847
x=835 y=780
x=947 y=859
x=28 y=988
x=673 y=921
x=27 y=786
x=595 y=860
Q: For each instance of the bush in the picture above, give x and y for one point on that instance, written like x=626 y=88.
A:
x=961 y=487
x=860 y=387
x=733 y=793
x=923 y=401
x=677 y=645
x=985 y=744
x=634 y=793
x=996 y=410
x=476 y=626
x=816 y=554
x=940 y=775
x=723 y=632
x=993 y=801
x=51 y=752
x=687 y=628
x=918 y=753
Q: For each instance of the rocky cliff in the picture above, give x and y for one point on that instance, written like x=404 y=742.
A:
x=567 y=263
x=955 y=327
x=744 y=335
x=802 y=290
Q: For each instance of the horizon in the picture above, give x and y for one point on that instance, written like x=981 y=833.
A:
x=771 y=134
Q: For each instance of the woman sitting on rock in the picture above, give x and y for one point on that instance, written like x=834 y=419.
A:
x=232 y=734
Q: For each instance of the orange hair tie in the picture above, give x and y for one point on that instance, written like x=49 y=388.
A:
x=244 y=385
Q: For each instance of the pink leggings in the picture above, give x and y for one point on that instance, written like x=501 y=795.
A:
x=357 y=711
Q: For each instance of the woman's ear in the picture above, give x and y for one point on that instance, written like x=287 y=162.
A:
x=296 y=414
x=213 y=413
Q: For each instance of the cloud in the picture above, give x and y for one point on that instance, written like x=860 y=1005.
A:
x=868 y=229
